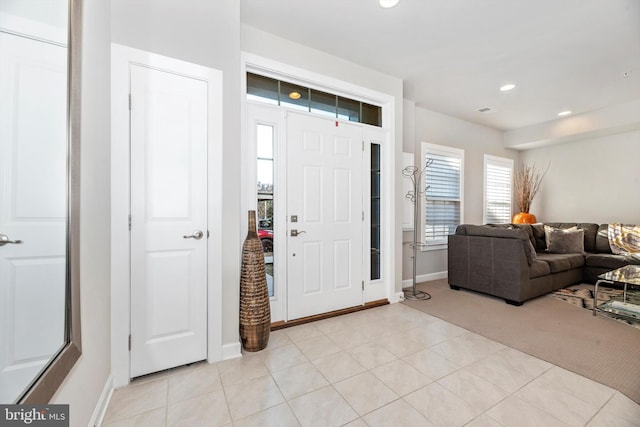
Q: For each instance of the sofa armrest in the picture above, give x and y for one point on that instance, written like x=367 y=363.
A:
x=493 y=265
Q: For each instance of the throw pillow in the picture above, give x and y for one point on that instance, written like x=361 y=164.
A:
x=548 y=228
x=565 y=241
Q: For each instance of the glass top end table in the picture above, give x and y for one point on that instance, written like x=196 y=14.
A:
x=627 y=276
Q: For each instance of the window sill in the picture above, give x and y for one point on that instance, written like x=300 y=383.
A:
x=434 y=247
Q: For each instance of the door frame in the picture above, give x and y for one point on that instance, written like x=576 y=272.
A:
x=374 y=290
x=121 y=57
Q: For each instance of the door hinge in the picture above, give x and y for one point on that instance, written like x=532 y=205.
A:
x=129 y=222
x=129 y=342
x=363 y=285
x=363 y=215
x=363 y=145
x=129 y=102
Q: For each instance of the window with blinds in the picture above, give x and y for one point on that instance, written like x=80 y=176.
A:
x=443 y=191
x=498 y=178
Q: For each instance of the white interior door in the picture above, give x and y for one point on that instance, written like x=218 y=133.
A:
x=324 y=205
x=33 y=196
x=168 y=220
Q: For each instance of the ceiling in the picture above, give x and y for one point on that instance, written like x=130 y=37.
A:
x=453 y=55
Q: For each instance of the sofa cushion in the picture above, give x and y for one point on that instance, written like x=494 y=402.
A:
x=539 y=268
x=569 y=241
x=507 y=231
x=491 y=231
x=532 y=255
x=590 y=233
x=529 y=230
x=602 y=240
x=609 y=261
x=538 y=235
x=561 y=262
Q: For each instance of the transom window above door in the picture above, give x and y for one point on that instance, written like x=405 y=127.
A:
x=290 y=95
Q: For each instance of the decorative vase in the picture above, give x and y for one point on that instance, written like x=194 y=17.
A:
x=524 y=218
x=255 y=313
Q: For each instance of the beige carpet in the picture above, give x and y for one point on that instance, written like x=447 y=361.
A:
x=599 y=348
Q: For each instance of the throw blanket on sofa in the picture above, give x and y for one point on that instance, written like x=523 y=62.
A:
x=625 y=239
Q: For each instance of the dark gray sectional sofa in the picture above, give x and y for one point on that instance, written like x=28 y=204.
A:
x=510 y=261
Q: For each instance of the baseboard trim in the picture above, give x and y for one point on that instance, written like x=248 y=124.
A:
x=397 y=297
x=425 y=278
x=103 y=403
x=231 y=351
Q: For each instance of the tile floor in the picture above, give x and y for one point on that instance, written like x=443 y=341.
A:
x=388 y=366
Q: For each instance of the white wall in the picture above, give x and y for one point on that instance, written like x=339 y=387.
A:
x=593 y=180
x=207 y=33
x=83 y=386
x=476 y=141
x=289 y=52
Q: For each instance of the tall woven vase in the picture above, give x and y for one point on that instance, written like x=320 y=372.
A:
x=255 y=314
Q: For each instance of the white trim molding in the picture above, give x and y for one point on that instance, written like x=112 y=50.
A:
x=103 y=403
x=407 y=283
x=231 y=351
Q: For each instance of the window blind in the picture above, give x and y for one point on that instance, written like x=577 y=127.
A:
x=442 y=201
x=498 y=179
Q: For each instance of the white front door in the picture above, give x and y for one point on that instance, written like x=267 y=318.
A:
x=33 y=194
x=324 y=215
x=168 y=220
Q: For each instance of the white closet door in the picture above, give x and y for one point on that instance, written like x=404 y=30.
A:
x=169 y=220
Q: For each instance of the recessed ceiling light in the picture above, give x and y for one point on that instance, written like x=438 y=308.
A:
x=507 y=87
x=564 y=113
x=388 y=3
x=295 y=95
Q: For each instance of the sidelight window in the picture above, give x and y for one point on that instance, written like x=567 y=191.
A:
x=264 y=146
x=375 y=212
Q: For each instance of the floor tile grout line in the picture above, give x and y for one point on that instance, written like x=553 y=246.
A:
x=377 y=340
x=600 y=409
x=513 y=394
x=571 y=392
x=166 y=407
x=566 y=391
x=224 y=393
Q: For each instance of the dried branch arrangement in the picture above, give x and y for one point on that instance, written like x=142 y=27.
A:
x=527 y=183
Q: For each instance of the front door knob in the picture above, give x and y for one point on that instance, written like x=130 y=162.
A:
x=4 y=240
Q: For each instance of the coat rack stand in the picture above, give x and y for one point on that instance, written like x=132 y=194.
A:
x=415 y=174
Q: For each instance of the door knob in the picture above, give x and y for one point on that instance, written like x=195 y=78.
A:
x=196 y=235
x=4 y=240
x=295 y=233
